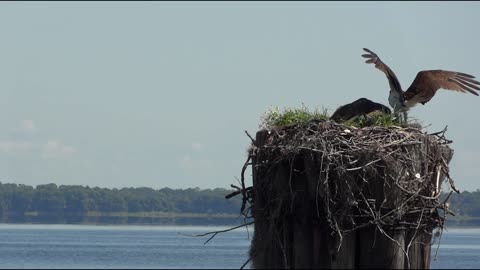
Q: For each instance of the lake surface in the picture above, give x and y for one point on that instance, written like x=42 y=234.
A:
x=84 y=246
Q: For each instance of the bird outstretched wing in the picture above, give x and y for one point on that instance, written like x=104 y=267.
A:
x=427 y=82
x=392 y=79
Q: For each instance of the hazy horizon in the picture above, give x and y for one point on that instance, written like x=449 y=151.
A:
x=158 y=94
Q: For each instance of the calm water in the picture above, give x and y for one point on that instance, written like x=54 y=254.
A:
x=459 y=248
x=82 y=246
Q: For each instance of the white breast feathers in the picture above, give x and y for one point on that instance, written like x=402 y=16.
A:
x=395 y=102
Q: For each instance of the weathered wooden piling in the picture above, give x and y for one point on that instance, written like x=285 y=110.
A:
x=330 y=196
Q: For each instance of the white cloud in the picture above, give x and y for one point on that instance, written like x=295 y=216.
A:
x=14 y=146
x=197 y=146
x=56 y=149
x=194 y=164
x=27 y=125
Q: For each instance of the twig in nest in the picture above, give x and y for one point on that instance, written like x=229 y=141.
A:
x=450 y=180
x=244 y=192
x=440 y=132
x=235 y=193
x=253 y=141
x=214 y=233
x=246 y=262
x=413 y=238
x=364 y=166
x=239 y=190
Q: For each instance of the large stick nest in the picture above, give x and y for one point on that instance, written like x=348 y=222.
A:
x=357 y=177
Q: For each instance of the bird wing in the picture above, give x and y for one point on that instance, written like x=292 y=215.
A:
x=392 y=79
x=427 y=82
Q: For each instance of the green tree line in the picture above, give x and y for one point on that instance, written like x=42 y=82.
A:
x=18 y=199
x=466 y=204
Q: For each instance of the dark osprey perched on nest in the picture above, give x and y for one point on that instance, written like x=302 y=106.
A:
x=424 y=86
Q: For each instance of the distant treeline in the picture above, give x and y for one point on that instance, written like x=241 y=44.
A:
x=77 y=204
x=466 y=204
x=58 y=202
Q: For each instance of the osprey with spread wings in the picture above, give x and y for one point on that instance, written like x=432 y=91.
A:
x=424 y=86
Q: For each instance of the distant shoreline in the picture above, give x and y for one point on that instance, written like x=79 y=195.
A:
x=447 y=227
x=151 y=214
x=165 y=219
x=125 y=218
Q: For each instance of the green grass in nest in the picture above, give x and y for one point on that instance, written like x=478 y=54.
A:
x=291 y=116
x=274 y=117
x=375 y=119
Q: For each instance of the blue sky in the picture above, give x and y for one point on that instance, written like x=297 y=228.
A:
x=158 y=94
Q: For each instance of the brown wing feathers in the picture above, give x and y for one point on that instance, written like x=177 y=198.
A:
x=372 y=58
x=467 y=82
x=427 y=82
